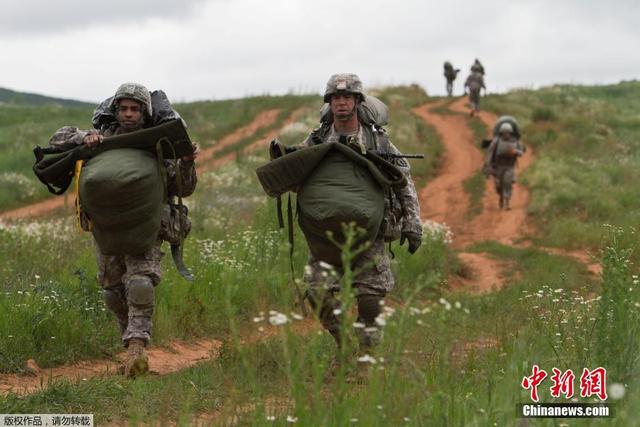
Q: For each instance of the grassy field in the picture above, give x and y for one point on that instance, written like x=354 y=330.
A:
x=447 y=358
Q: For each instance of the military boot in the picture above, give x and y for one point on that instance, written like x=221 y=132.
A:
x=506 y=204
x=137 y=360
x=501 y=201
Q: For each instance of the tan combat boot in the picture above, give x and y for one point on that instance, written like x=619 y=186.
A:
x=137 y=360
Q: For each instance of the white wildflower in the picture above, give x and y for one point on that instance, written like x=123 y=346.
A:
x=367 y=359
x=277 y=319
x=616 y=391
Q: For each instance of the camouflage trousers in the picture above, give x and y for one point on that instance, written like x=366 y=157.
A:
x=128 y=283
x=474 y=99
x=504 y=177
x=372 y=280
x=449 y=87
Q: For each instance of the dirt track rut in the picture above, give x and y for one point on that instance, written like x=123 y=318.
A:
x=444 y=198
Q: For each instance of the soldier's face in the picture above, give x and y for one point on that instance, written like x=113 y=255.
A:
x=343 y=105
x=129 y=114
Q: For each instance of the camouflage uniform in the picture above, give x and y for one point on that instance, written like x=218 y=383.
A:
x=500 y=161
x=475 y=82
x=450 y=74
x=477 y=67
x=128 y=281
x=374 y=277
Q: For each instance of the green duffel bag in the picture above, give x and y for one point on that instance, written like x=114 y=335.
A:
x=338 y=191
x=123 y=192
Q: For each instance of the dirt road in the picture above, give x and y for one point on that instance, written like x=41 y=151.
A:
x=444 y=199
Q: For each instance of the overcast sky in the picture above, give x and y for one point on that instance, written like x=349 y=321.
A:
x=216 y=49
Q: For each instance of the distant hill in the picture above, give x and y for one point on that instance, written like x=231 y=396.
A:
x=8 y=96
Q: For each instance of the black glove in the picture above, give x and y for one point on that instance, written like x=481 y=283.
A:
x=415 y=240
x=276 y=149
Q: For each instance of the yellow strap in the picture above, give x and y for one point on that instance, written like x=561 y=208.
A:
x=76 y=190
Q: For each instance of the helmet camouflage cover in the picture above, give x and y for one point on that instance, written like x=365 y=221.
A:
x=506 y=128
x=345 y=83
x=134 y=91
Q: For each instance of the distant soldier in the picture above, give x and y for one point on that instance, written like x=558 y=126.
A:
x=477 y=67
x=502 y=156
x=400 y=213
x=474 y=83
x=450 y=74
x=128 y=281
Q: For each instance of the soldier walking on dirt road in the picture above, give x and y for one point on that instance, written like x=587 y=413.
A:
x=373 y=278
x=474 y=83
x=502 y=156
x=450 y=74
x=477 y=67
x=129 y=281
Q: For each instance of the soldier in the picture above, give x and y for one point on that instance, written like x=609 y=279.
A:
x=128 y=281
x=373 y=279
x=475 y=82
x=500 y=161
x=477 y=66
x=450 y=74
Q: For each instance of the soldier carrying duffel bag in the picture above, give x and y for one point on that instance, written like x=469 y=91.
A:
x=125 y=200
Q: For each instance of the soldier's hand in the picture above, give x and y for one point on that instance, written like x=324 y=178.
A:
x=92 y=140
x=414 y=239
x=192 y=156
x=276 y=149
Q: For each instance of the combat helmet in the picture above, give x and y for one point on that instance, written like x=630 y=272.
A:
x=505 y=127
x=134 y=91
x=345 y=83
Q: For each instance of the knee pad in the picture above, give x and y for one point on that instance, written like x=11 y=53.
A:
x=115 y=300
x=368 y=308
x=140 y=290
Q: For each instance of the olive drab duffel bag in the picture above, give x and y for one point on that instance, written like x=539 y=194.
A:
x=336 y=185
x=123 y=192
x=338 y=192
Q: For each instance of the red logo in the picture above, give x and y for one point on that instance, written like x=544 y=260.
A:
x=592 y=383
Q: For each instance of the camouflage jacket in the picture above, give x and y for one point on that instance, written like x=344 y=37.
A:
x=402 y=208
x=493 y=159
x=68 y=137
x=475 y=81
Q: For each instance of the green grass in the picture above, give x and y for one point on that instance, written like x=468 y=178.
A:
x=432 y=373
x=447 y=359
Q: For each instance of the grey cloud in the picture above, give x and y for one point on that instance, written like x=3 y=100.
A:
x=35 y=17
